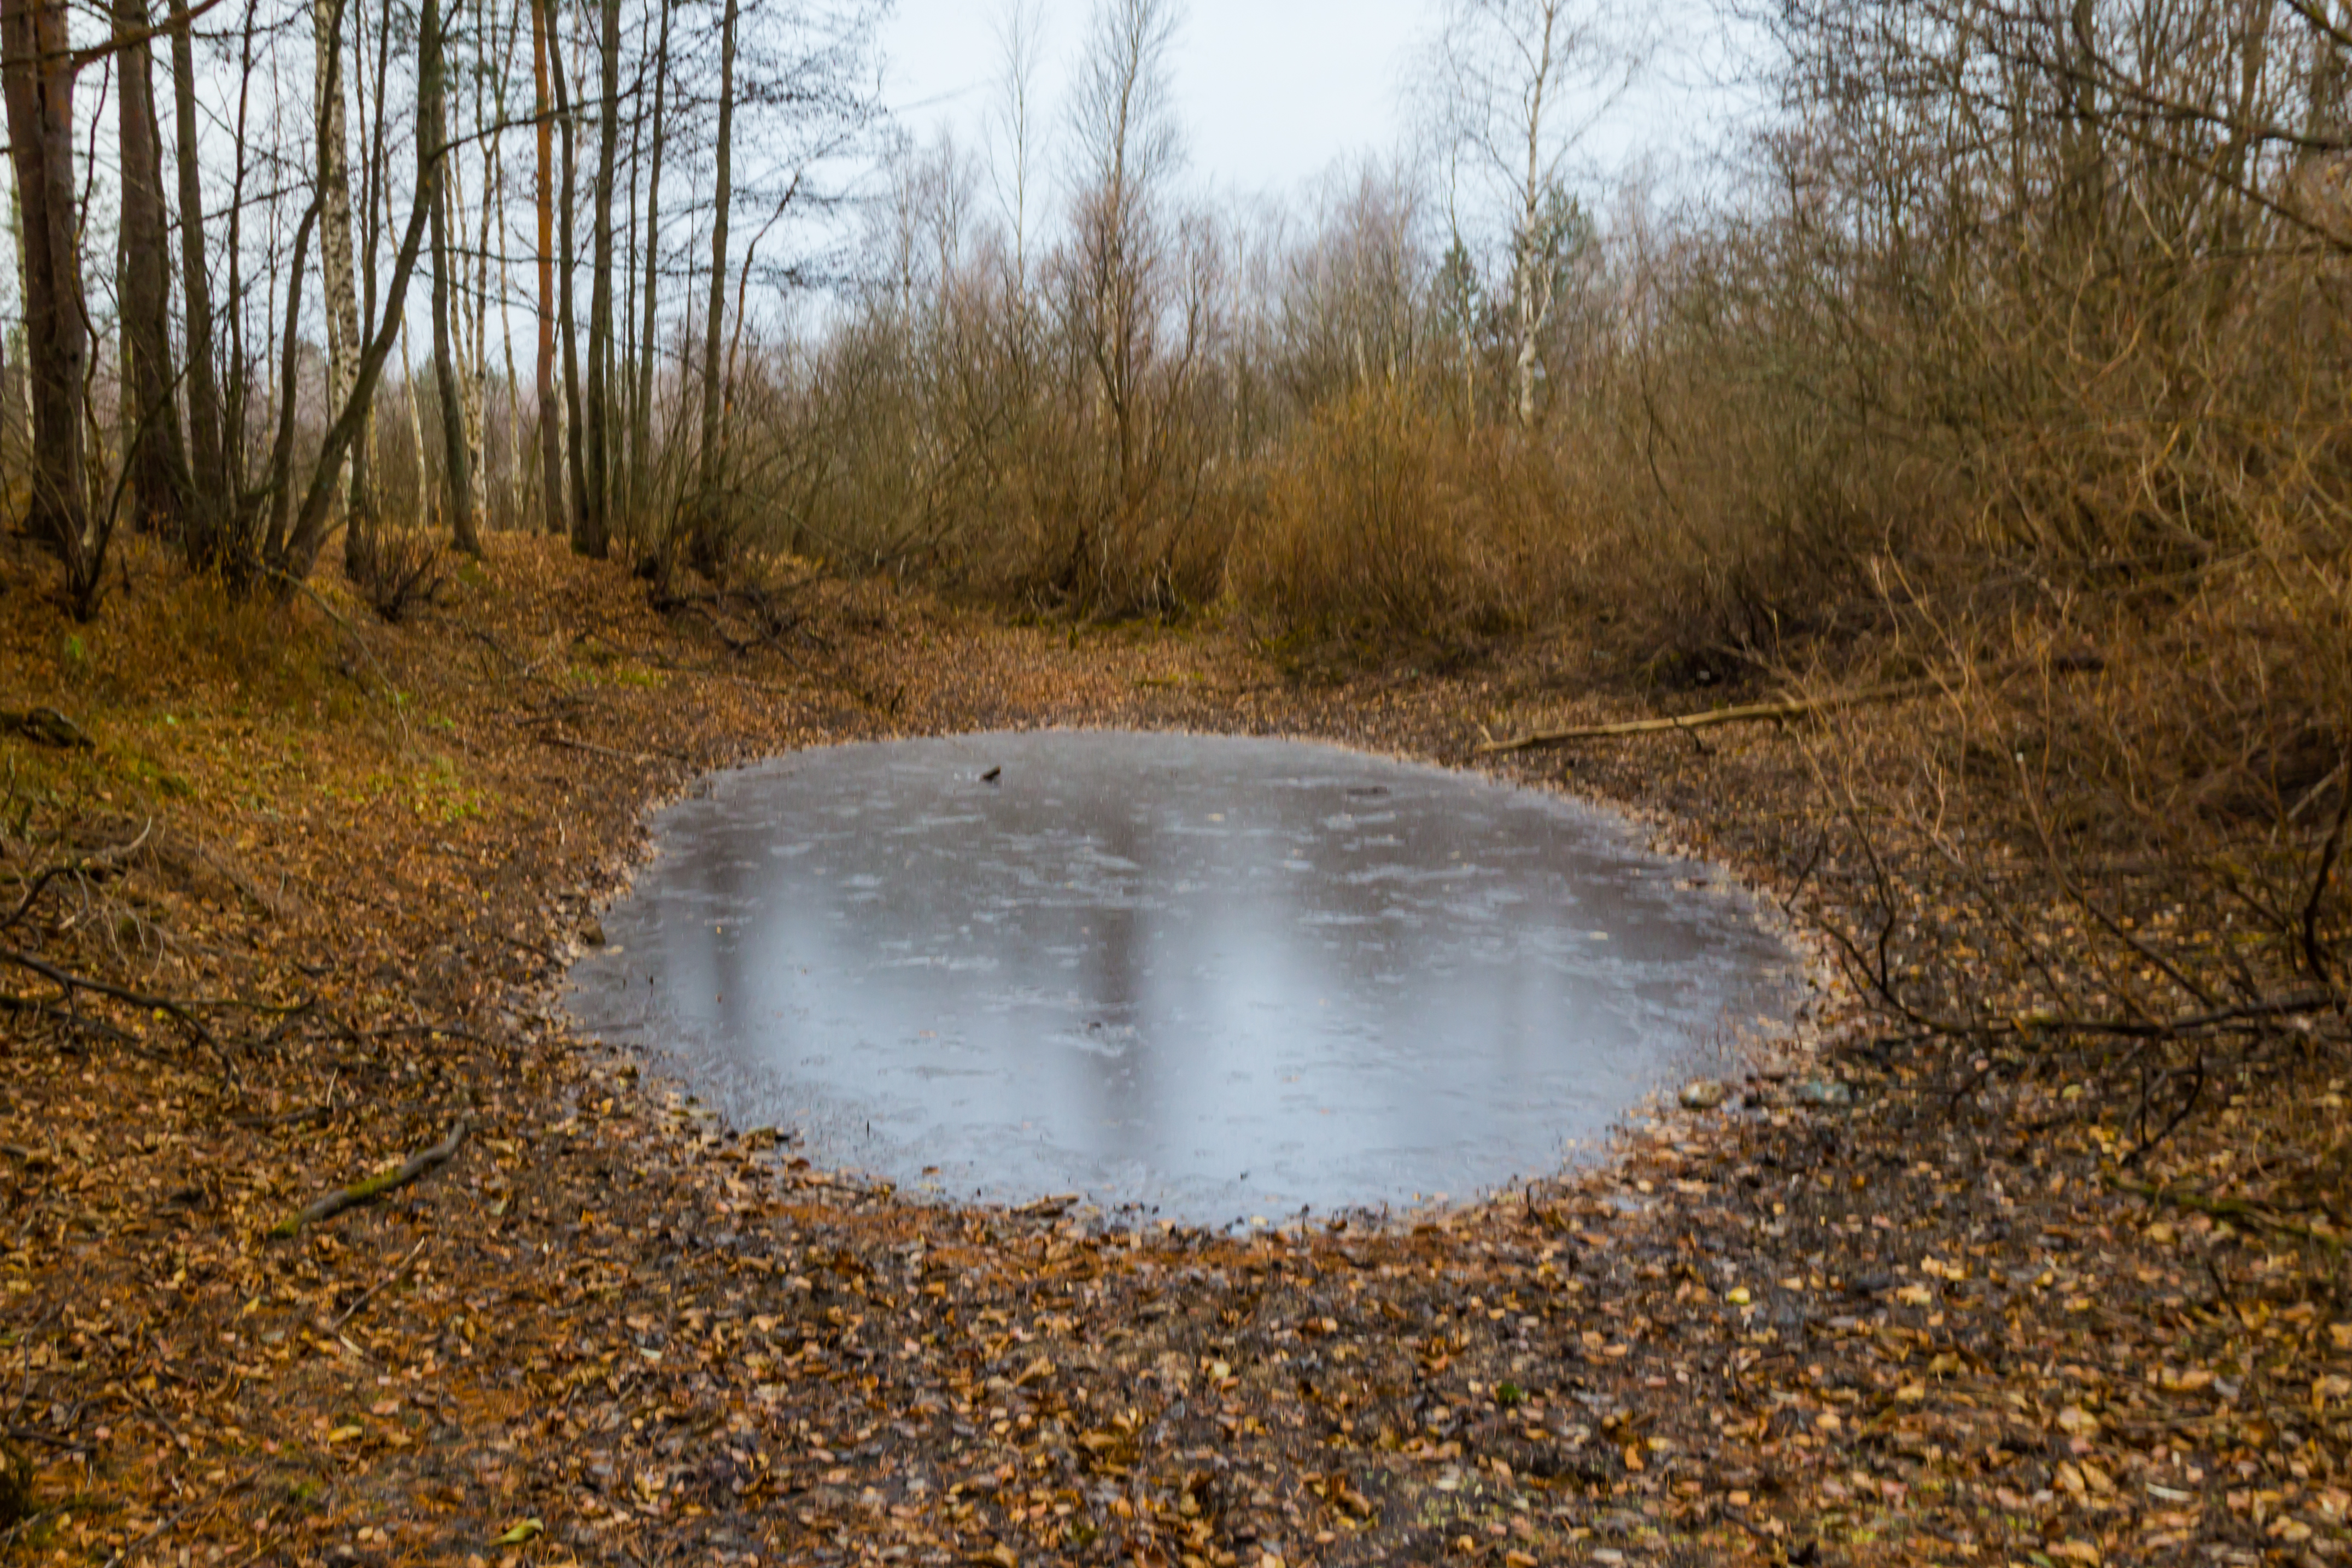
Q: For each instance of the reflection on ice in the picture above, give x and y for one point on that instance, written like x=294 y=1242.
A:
x=1142 y=965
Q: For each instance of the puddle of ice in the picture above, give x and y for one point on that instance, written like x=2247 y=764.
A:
x=1216 y=978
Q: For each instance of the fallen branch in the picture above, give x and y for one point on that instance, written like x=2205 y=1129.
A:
x=287 y=1119
x=105 y=860
x=48 y=1440
x=417 y=1165
x=34 y=1007
x=46 y=727
x=70 y=983
x=133 y=1546
x=1753 y=713
x=2226 y=1208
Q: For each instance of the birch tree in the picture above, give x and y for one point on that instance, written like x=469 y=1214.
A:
x=1522 y=84
x=336 y=277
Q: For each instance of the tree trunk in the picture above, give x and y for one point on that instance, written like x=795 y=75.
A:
x=518 y=471
x=705 y=541
x=155 y=463
x=335 y=272
x=360 y=530
x=566 y=319
x=550 y=435
x=595 y=511
x=478 y=383
x=457 y=474
x=624 y=389
x=1533 y=279
x=476 y=360
x=35 y=55
x=641 y=436
x=309 y=532
x=210 y=499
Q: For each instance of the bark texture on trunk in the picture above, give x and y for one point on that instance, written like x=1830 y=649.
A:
x=707 y=523
x=641 y=405
x=551 y=435
x=155 y=460
x=209 y=500
x=336 y=276
x=456 y=467
x=308 y=533
x=565 y=316
x=36 y=58
x=595 y=537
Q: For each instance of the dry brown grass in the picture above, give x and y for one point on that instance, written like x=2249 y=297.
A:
x=1380 y=519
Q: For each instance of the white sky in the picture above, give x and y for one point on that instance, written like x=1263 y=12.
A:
x=1274 y=92
x=1271 y=93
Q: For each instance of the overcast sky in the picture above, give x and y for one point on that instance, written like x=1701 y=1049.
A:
x=1271 y=93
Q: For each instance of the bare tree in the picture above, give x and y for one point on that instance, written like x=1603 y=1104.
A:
x=641 y=402
x=298 y=530
x=705 y=542
x=154 y=459
x=583 y=542
x=210 y=501
x=1522 y=83
x=1021 y=45
x=336 y=276
x=37 y=57
x=1128 y=146
x=432 y=179
x=593 y=533
x=551 y=435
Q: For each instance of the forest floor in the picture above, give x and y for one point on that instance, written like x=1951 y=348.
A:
x=297 y=912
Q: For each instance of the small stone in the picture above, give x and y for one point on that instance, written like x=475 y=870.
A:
x=1824 y=1091
x=1704 y=1094
x=593 y=933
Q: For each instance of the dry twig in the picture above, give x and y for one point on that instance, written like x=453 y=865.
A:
x=1752 y=713
x=417 y=1165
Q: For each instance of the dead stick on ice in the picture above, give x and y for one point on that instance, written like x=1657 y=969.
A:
x=1754 y=712
x=374 y=1187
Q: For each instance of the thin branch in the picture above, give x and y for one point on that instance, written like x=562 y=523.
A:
x=417 y=1165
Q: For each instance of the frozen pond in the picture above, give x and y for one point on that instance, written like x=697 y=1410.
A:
x=1217 y=978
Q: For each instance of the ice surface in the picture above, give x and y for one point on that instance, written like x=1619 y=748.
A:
x=1216 y=978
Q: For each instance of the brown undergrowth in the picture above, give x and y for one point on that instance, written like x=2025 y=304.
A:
x=294 y=917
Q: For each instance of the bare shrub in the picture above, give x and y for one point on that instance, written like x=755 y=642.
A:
x=1382 y=519
x=401 y=570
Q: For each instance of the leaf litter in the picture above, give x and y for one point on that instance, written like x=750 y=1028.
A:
x=1825 y=1312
